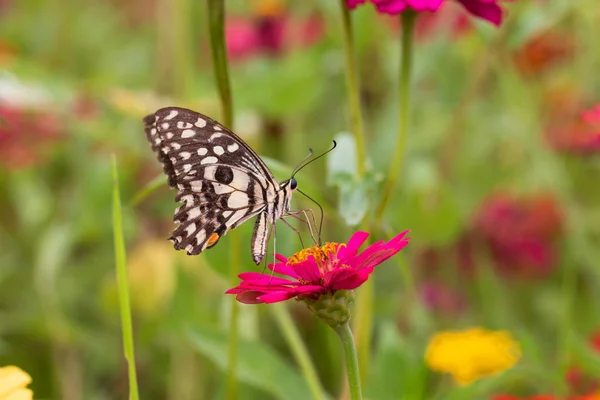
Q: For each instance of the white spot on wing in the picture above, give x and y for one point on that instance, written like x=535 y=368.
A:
x=196 y=186
x=209 y=160
x=183 y=125
x=202 y=151
x=164 y=125
x=187 y=167
x=175 y=146
x=220 y=188
x=189 y=248
x=214 y=136
x=218 y=150
x=237 y=200
x=188 y=199
x=232 y=147
x=153 y=131
x=200 y=123
x=185 y=155
x=217 y=128
x=172 y=114
x=188 y=133
x=169 y=135
x=227 y=213
x=194 y=213
x=201 y=236
x=236 y=217
x=191 y=228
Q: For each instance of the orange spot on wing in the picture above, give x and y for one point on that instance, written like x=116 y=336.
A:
x=212 y=239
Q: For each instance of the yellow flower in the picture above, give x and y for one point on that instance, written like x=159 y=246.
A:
x=13 y=382
x=472 y=354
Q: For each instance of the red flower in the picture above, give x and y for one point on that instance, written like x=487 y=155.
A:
x=23 y=134
x=441 y=298
x=270 y=31
x=317 y=271
x=520 y=232
x=485 y=9
x=580 y=135
x=544 y=50
x=536 y=397
x=578 y=380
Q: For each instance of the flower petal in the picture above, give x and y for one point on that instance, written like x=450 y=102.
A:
x=249 y=297
x=257 y=278
x=284 y=269
x=352 y=280
x=285 y=295
x=308 y=270
x=378 y=252
x=487 y=10
x=353 y=244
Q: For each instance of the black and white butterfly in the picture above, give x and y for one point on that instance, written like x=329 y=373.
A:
x=221 y=181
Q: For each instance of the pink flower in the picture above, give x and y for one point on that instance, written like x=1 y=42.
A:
x=485 y=9
x=317 y=271
x=25 y=135
x=270 y=32
x=520 y=232
x=579 y=135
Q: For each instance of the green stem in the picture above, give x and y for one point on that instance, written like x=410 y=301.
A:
x=345 y=334
x=362 y=323
x=353 y=90
x=408 y=22
x=124 y=302
x=216 y=16
x=294 y=341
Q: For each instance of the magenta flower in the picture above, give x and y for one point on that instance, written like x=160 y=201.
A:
x=317 y=271
x=485 y=9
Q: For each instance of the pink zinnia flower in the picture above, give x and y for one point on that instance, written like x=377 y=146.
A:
x=521 y=232
x=317 y=271
x=485 y=9
x=25 y=134
x=580 y=135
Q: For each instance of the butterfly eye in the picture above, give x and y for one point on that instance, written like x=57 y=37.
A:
x=293 y=184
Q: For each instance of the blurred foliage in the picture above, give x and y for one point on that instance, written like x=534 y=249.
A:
x=479 y=126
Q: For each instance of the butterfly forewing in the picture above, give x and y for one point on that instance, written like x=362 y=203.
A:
x=221 y=182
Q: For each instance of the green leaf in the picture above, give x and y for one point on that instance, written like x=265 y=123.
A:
x=354 y=192
x=257 y=364
x=398 y=373
x=585 y=356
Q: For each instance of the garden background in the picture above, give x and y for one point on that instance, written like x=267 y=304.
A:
x=497 y=182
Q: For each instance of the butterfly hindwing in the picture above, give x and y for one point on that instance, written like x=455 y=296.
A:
x=221 y=182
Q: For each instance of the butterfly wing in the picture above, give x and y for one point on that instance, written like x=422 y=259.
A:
x=221 y=182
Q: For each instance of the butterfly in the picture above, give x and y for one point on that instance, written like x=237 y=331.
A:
x=221 y=181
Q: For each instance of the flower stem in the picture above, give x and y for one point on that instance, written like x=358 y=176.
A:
x=353 y=89
x=123 y=285
x=291 y=335
x=408 y=22
x=216 y=16
x=345 y=334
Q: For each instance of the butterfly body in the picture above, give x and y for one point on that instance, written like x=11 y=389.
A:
x=221 y=181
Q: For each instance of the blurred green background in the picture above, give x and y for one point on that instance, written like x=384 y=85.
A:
x=499 y=189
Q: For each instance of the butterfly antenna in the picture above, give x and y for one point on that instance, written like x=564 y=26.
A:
x=299 y=166
x=320 y=209
x=307 y=160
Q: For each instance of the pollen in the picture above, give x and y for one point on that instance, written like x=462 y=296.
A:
x=327 y=251
x=212 y=239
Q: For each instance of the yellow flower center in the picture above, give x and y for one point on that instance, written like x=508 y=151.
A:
x=472 y=354
x=325 y=256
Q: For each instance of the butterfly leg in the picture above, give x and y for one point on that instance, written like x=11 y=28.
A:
x=307 y=221
x=294 y=229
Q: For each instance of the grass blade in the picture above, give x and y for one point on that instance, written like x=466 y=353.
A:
x=124 y=302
